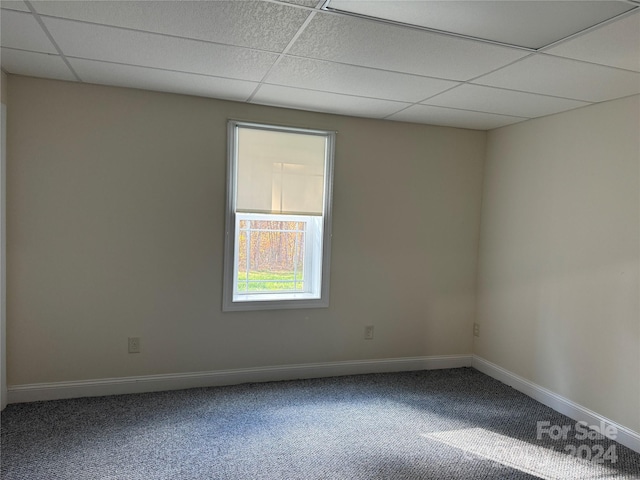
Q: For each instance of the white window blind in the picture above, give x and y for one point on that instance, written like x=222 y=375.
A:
x=280 y=172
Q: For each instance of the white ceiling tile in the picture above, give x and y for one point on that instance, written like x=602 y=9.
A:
x=531 y=24
x=351 y=80
x=375 y=44
x=21 y=30
x=14 y=5
x=565 y=78
x=34 y=64
x=161 y=80
x=325 y=102
x=453 y=118
x=262 y=25
x=616 y=44
x=96 y=42
x=505 y=102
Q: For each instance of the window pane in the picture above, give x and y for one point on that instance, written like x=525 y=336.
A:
x=271 y=256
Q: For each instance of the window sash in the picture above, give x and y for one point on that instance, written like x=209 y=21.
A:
x=311 y=249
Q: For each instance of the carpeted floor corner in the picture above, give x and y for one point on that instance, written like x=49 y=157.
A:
x=439 y=424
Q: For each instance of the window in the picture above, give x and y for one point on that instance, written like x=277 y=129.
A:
x=278 y=224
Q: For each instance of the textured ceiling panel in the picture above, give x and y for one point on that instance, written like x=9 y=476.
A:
x=453 y=118
x=505 y=102
x=125 y=46
x=616 y=44
x=35 y=64
x=374 y=44
x=325 y=102
x=21 y=30
x=337 y=63
x=162 y=80
x=347 y=79
x=565 y=78
x=262 y=25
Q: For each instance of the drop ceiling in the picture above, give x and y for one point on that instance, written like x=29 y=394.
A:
x=504 y=62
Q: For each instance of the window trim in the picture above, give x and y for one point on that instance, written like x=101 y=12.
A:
x=228 y=304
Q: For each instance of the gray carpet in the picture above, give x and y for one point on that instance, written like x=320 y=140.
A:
x=445 y=424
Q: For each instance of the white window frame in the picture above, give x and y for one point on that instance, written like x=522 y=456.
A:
x=232 y=300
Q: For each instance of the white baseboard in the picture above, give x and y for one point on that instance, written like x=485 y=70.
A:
x=154 y=383
x=624 y=435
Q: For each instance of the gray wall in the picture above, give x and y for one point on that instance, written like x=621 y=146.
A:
x=115 y=229
x=559 y=256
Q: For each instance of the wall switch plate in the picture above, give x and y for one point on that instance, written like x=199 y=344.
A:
x=476 y=329
x=368 y=332
x=134 y=344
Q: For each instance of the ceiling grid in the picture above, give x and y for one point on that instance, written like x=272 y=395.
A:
x=297 y=54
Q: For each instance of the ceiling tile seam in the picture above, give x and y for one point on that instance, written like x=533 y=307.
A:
x=168 y=35
x=499 y=68
x=440 y=93
x=468 y=81
x=527 y=117
x=364 y=97
x=388 y=117
x=349 y=95
x=512 y=123
x=465 y=110
x=545 y=54
x=442 y=33
x=295 y=37
x=571 y=109
x=186 y=72
x=542 y=94
x=293 y=5
x=591 y=29
x=451 y=125
x=475 y=80
x=30 y=51
x=366 y=67
x=12 y=9
x=51 y=39
x=557 y=97
x=619 y=98
x=424 y=100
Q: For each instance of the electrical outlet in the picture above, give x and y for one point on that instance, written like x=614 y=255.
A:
x=368 y=332
x=476 y=329
x=134 y=344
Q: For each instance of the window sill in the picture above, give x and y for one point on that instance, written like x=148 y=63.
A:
x=268 y=301
x=273 y=297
